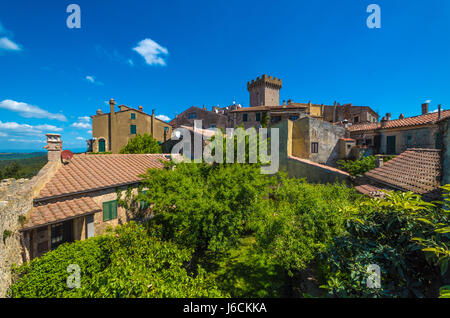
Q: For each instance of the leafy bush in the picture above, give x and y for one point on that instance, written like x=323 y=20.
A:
x=123 y=263
x=303 y=220
x=142 y=144
x=359 y=167
x=383 y=234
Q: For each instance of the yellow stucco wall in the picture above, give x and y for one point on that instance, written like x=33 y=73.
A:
x=116 y=128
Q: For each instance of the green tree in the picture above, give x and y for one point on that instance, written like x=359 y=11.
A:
x=142 y=144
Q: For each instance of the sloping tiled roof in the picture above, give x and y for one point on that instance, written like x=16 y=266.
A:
x=319 y=165
x=204 y=132
x=262 y=108
x=416 y=170
x=61 y=210
x=94 y=172
x=429 y=118
x=371 y=190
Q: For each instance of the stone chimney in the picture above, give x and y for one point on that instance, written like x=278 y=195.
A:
x=439 y=111
x=388 y=116
x=54 y=147
x=379 y=162
x=401 y=116
x=112 y=105
x=153 y=123
x=99 y=112
x=140 y=108
x=425 y=108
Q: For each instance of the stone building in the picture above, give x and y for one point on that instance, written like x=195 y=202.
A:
x=112 y=131
x=79 y=198
x=264 y=91
x=308 y=145
x=444 y=131
x=395 y=136
x=210 y=119
x=349 y=113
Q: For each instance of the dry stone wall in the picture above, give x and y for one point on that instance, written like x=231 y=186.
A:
x=16 y=202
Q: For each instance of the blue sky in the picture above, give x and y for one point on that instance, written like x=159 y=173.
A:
x=169 y=55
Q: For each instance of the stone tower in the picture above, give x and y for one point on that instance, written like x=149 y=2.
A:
x=264 y=91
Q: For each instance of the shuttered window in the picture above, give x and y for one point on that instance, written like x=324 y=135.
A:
x=258 y=116
x=109 y=210
x=245 y=117
x=133 y=129
x=133 y=116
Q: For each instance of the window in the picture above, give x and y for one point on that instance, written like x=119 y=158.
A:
x=133 y=129
x=192 y=115
x=212 y=126
x=101 y=145
x=258 y=116
x=314 y=147
x=109 y=210
x=356 y=119
x=276 y=119
x=245 y=117
x=61 y=233
x=369 y=142
x=143 y=205
x=293 y=117
x=133 y=116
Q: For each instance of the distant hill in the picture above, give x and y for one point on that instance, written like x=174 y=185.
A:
x=21 y=165
x=19 y=156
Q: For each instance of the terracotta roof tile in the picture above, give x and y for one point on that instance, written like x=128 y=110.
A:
x=92 y=172
x=429 y=118
x=416 y=170
x=312 y=163
x=61 y=210
x=371 y=190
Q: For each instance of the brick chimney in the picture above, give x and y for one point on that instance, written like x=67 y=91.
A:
x=425 y=108
x=54 y=147
x=140 y=108
x=401 y=116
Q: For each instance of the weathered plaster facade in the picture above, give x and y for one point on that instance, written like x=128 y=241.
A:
x=114 y=128
x=296 y=166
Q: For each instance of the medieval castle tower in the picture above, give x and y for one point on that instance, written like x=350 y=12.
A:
x=264 y=91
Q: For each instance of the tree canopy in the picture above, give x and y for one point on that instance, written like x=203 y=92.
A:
x=141 y=144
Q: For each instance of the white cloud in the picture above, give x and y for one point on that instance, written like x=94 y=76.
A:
x=85 y=119
x=7 y=44
x=30 y=111
x=151 y=51
x=91 y=79
x=163 y=117
x=80 y=138
x=82 y=125
x=48 y=127
x=28 y=129
x=89 y=132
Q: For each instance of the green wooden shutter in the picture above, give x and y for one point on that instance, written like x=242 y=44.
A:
x=133 y=129
x=109 y=210
x=113 y=210
x=106 y=211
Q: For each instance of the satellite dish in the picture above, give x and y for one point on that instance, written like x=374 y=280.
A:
x=66 y=156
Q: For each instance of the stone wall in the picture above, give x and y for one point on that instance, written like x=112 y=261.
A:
x=16 y=202
x=445 y=135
